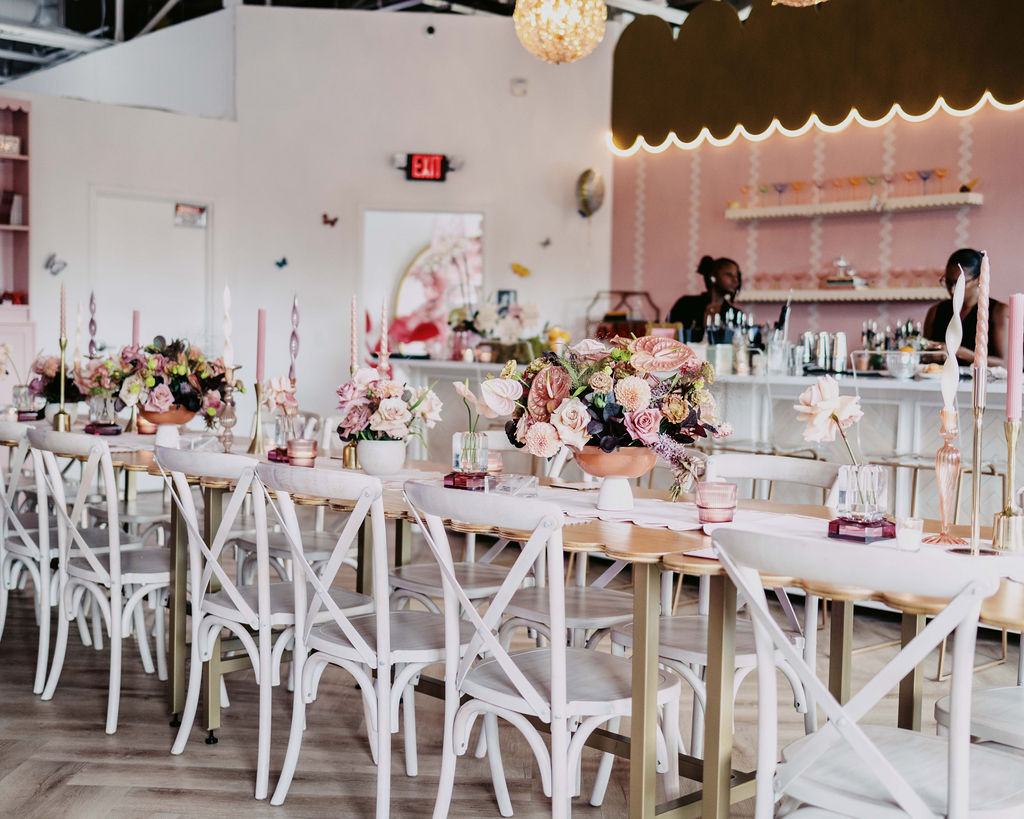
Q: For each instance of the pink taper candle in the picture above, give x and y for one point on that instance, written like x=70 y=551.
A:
x=354 y=338
x=261 y=344
x=981 y=339
x=63 y=328
x=383 y=364
x=135 y=328
x=1015 y=357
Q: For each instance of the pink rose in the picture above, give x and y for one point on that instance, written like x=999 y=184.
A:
x=523 y=427
x=542 y=440
x=392 y=419
x=351 y=393
x=655 y=354
x=365 y=376
x=825 y=411
x=571 y=420
x=161 y=399
x=500 y=395
x=643 y=425
x=212 y=401
x=549 y=388
x=429 y=407
x=590 y=350
x=389 y=389
x=47 y=366
x=355 y=420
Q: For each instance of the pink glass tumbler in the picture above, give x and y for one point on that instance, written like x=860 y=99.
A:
x=716 y=501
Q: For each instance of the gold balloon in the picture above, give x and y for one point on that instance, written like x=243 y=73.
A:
x=560 y=31
x=589 y=192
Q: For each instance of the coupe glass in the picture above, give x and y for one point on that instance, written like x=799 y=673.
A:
x=941 y=174
x=819 y=184
x=763 y=189
x=888 y=178
x=909 y=177
x=797 y=187
x=854 y=184
x=837 y=184
x=780 y=188
x=925 y=175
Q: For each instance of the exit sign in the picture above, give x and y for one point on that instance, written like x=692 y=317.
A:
x=426 y=167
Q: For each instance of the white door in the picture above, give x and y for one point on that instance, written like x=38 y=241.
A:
x=141 y=260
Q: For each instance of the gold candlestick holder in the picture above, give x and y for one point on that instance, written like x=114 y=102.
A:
x=1008 y=526
x=258 y=445
x=350 y=459
x=980 y=386
x=62 y=421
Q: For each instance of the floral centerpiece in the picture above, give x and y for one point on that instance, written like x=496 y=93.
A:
x=166 y=379
x=376 y=409
x=599 y=397
x=279 y=397
x=507 y=326
x=45 y=382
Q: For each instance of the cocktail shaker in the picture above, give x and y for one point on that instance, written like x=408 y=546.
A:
x=839 y=352
x=823 y=354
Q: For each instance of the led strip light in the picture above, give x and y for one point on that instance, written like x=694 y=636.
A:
x=813 y=121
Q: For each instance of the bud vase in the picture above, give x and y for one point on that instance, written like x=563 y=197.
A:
x=469 y=452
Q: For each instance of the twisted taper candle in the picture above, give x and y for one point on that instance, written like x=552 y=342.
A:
x=981 y=339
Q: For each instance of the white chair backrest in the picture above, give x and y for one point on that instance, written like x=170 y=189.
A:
x=431 y=504
x=46 y=445
x=930 y=573
x=178 y=466
x=11 y=486
x=330 y=443
x=337 y=485
x=309 y=424
x=774 y=468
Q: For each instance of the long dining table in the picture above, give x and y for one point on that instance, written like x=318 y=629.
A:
x=649 y=551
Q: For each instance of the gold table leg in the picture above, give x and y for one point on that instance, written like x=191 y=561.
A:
x=840 y=646
x=177 y=615
x=644 y=721
x=909 y=715
x=213 y=509
x=718 y=717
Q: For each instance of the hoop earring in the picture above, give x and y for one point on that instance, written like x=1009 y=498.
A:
x=713 y=280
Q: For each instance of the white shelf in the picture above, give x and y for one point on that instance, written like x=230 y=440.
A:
x=864 y=294
x=894 y=204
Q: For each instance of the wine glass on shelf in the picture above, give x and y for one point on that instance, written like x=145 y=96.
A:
x=888 y=178
x=837 y=184
x=941 y=174
x=746 y=191
x=909 y=177
x=854 y=184
x=762 y=189
x=780 y=188
x=925 y=175
x=797 y=187
x=819 y=185
x=872 y=181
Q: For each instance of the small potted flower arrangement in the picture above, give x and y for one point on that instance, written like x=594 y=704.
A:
x=618 y=405
x=279 y=398
x=45 y=382
x=100 y=381
x=506 y=331
x=24 y=402
x=380 y=415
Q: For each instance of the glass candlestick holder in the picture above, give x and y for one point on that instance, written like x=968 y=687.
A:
x=947 y=473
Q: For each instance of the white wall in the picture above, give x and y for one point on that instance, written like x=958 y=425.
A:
x=188 y=68
x=323 y=99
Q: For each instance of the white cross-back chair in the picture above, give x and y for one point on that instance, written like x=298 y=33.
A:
x=261 y=615
x=575 y=691
x=116 y=579
x=873 y=770
x=369 y=646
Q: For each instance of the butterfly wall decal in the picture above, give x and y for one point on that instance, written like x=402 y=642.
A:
x=546 y=242
x=54 y=265
x=282 y=263
x=329 y=221
x=520 y=270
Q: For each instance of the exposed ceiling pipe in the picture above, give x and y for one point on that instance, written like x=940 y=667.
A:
x=119 y=20
x=170 y=4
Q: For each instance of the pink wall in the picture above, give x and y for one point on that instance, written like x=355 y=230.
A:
x=668 y=211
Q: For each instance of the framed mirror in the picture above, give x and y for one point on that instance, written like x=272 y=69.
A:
x=425 y=264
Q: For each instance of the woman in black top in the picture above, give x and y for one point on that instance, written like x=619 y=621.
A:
x=939 y=315
x=723 y=279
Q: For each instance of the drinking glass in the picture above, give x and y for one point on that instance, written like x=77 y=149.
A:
x=908 y=534
x=469 y=452
x=838 y=183
x=763 y=189
x=797 y=187
x=854 y=184
x=925 y=175
x=888 y=178
x=941 y=174
x=716 y=501
x=778 y=355
x=863 y=492
x=909 y=177
x=780 y=188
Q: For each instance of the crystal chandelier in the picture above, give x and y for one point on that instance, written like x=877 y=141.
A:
x=560 y=31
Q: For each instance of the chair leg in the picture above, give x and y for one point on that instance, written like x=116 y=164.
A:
x=384 y=744
x=409 y=729
x=139 y=618
x=159 y=635
x=63 y=624
x=559 y=768
x=446 y=782
x=604 y=770
x=97 y=625
x=670 y=727
x=291 y=757
x=811 y=658
x=45 y=617
x=116 y=647
x=266 y=685
x=497 y=770
x=195 y=683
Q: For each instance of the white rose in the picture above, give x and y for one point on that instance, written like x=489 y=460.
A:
x=529 y=315
x=590 y=349
x=133 y=390
x=571 y=419
x=500 y=394
x=429 y=407
x=486 y=318
x=508 y=330
x=392 y=418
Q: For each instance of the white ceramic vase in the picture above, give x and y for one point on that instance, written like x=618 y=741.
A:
x=167 y=435
x=381 y=458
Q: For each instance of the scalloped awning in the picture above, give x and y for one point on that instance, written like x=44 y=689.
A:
x=787 y=64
